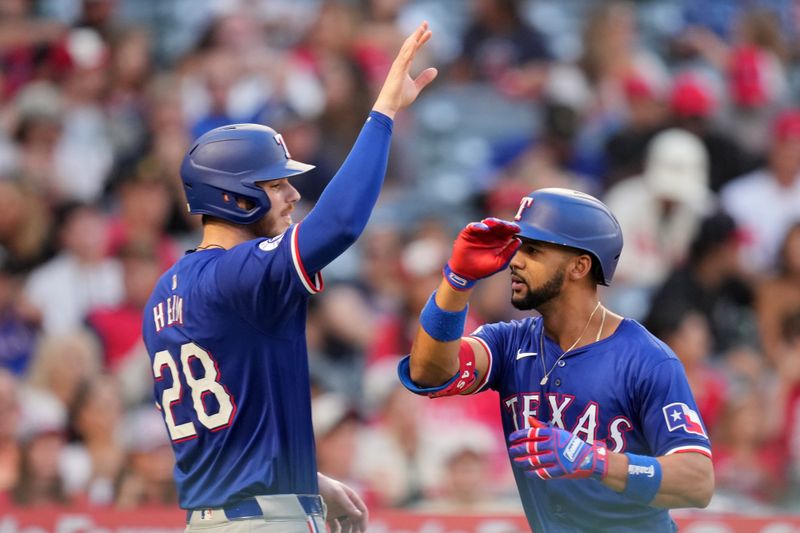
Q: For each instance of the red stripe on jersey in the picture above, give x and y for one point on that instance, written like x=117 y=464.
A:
x=312 y=285
x=691 y=449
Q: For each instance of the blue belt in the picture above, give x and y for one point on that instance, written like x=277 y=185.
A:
x=249 y=508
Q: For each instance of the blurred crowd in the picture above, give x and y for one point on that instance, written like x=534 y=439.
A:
x=681 y=115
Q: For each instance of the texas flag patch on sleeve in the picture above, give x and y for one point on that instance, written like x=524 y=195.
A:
x=681 y=416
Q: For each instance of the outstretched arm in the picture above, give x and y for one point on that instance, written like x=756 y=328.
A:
x=344 y=207
x=441 y=361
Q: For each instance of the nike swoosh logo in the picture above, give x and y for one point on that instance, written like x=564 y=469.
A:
x=521 y=354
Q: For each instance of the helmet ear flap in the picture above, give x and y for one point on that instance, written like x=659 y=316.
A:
x=247 y=205
x=232 y=160
x=207 y=199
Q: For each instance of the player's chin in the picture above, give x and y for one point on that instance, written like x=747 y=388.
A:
x=521 y=300
x=519 y=291
x=284 y=222
x=516 y=298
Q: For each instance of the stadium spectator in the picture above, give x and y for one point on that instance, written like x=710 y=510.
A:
x=119 y=327
x=659 y=211
x=345 y=328
x=43 y=436
x=396 y=454
x=143 y=214
x=646 y=116
x=712 y=283
x=785 y=414
x=611 y=55
x=745 y=464
x=84 y=155
x=24 y=227
x=753 y=67
x=693 y=107
x=130 y=69
x=549 y=159
x=95 y=459
x=778 y=296
x=18 y=332
x=63 y=363
x=30 y=47
x=147 y=478
x=336 y=432
x=501 y=48
x=10 y=447
x=467 y=462
x=767 y=201
x=80 y=277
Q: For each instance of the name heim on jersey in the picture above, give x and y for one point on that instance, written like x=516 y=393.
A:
x=173 y=306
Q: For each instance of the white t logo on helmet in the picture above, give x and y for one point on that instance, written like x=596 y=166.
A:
x=279 y=139
x=524 y=204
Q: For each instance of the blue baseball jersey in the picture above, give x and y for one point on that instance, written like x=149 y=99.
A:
x=629 y=390
x=225 y=331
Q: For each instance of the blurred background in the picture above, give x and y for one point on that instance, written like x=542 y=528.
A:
x=683 y=116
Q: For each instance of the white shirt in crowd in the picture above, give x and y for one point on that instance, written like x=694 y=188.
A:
x=65 y=290
x=764 y=210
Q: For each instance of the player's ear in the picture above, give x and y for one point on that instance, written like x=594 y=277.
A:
x=580 y=267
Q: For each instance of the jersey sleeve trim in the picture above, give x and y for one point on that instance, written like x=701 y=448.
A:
x=693 y=448
x=485 y=379
x=314 y=285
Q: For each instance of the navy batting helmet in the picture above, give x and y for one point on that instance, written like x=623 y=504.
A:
x=574 y=219
x=227 y=163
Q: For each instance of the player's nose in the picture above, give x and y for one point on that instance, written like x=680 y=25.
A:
x=294 y=194
x=517 y=262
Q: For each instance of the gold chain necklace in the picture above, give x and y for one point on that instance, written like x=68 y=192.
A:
x=574 y=344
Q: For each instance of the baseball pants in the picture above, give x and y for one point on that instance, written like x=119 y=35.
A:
x=280 y=513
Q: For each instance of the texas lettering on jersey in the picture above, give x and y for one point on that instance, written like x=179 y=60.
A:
x=520 y=406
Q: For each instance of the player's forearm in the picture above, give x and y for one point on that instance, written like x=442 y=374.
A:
x=342 y=212
x=433 y=362
x=687 y=479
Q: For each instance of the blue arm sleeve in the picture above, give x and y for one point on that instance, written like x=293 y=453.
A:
x=346 y=203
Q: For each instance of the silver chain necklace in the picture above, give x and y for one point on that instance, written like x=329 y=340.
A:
x=574 y=344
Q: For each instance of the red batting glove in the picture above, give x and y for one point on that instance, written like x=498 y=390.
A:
x=480 y=250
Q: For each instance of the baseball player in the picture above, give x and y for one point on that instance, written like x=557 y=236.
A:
x=225 y=326
x=602 y=427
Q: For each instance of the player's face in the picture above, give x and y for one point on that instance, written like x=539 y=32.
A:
x=536 y=261
x=283 y=197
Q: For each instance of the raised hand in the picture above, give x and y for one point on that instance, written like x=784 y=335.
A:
x=481 y=249
x=549 y=452
x=400 y=89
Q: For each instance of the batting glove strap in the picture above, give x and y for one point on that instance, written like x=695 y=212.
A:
x=457 y=281
x=548 y=452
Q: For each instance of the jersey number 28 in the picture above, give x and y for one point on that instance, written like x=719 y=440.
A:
x=206 y=384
